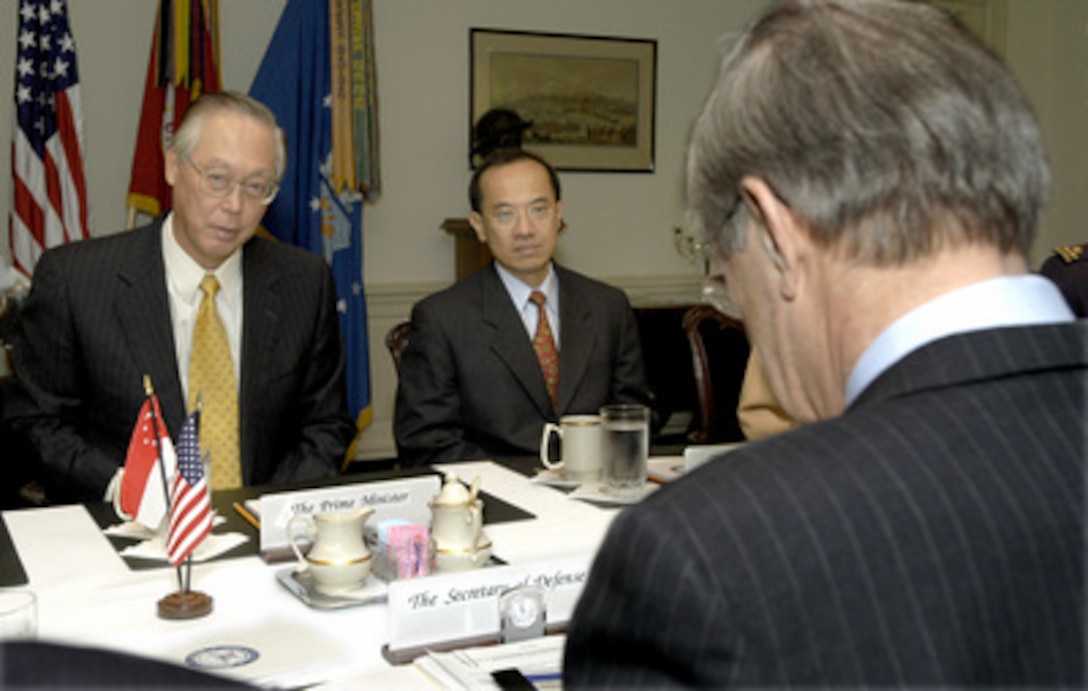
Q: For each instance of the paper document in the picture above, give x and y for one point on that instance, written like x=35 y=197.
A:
x=540 y=660
x=695 y=456
x=662 y=469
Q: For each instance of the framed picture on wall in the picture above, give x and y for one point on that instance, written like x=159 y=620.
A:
x=590 y=99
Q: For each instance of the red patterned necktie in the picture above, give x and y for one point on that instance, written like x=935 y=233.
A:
x=544 y=345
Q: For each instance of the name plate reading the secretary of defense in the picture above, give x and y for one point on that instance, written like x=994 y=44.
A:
x=405 y=499
x=448 y=611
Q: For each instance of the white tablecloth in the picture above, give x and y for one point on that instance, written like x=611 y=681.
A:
x=87 y=594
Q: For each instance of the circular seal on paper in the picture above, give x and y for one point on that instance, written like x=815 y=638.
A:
x=222 y=657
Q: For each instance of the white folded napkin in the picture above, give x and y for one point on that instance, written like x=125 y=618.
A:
x=212 y=546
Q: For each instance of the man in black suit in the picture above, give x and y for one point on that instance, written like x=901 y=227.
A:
x=871 y=178
x=103 y=313
x=471 y=385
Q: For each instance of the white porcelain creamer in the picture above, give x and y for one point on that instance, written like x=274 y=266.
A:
x=339 y=559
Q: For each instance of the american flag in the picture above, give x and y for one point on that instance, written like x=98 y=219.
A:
x=190 y=506
x=50 y=202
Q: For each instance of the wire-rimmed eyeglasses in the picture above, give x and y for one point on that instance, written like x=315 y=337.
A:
x=537 y=212
x=217 y=184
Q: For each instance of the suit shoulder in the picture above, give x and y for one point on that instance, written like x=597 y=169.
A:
x=584 y=284
x=112 y=242
x=466 y=291
x=105 y=250
x=1071 y=254
x=289 y=257
x=282 y=251
x=1065 y=261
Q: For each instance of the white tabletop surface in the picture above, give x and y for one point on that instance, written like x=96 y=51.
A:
x=88 y=595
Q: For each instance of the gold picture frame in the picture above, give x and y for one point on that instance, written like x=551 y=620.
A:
x=591 y=99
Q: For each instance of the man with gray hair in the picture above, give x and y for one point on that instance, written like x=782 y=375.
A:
x=871 y=178
x=103 y=313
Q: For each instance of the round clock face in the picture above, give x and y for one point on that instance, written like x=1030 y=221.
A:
x=524 y=610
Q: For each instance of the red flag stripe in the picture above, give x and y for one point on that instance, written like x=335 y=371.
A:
x=50 y=202
x=165 y=102
x=190 y=509
x=194 y=520
x=74 y=196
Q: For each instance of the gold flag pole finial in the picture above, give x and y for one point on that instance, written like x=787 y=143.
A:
x=147 y=386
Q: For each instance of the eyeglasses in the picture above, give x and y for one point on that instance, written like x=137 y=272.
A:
x=715 y=292
x=216 y=184
x=537 y=212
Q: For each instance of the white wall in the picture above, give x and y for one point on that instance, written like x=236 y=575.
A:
x=1048 y=51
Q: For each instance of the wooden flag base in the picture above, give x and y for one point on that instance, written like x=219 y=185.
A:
x=185 y=604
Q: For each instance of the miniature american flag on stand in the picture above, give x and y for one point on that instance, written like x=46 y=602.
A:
x=190 y=506
x=50 y=201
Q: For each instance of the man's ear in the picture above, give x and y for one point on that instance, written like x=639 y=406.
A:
x=477 y=223
x=170 y=166
x=784 y=235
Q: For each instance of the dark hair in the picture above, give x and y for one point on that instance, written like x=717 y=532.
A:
x=504 y=157
x=884 y=124
x=498 y=128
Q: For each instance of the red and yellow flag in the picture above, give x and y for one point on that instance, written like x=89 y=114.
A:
x=184 y=64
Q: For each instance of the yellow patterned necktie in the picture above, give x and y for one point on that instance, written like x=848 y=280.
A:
x=212 y=385
x=544 y=346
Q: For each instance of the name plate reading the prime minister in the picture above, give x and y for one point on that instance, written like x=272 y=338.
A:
x=405 y=499
x=454 y=610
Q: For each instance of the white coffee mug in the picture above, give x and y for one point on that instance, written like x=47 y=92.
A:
x=580 y=440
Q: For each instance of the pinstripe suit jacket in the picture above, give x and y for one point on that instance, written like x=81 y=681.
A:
x=933 y=535
x=98 y=318
x=471 y=386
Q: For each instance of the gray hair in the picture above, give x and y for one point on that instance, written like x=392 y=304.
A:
x=883 y=123
x=188 y=133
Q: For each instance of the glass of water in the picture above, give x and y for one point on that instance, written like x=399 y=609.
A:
x=626 y=448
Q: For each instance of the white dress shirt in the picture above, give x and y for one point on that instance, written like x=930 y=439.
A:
x=183 y=276
x=994 y=303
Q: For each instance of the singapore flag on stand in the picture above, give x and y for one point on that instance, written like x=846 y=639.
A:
x=143 y=489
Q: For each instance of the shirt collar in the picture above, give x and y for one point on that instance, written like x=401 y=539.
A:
x=998 y=302
x=519 y=291
x=184 y=273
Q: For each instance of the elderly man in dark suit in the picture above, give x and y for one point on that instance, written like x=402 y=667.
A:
x=871 y=178
x=471 y=384
x=105 y=312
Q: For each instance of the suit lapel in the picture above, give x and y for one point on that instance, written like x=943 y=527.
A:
x=262 y=306
x=577 y=337
x=143 y=312
x=510 y=342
